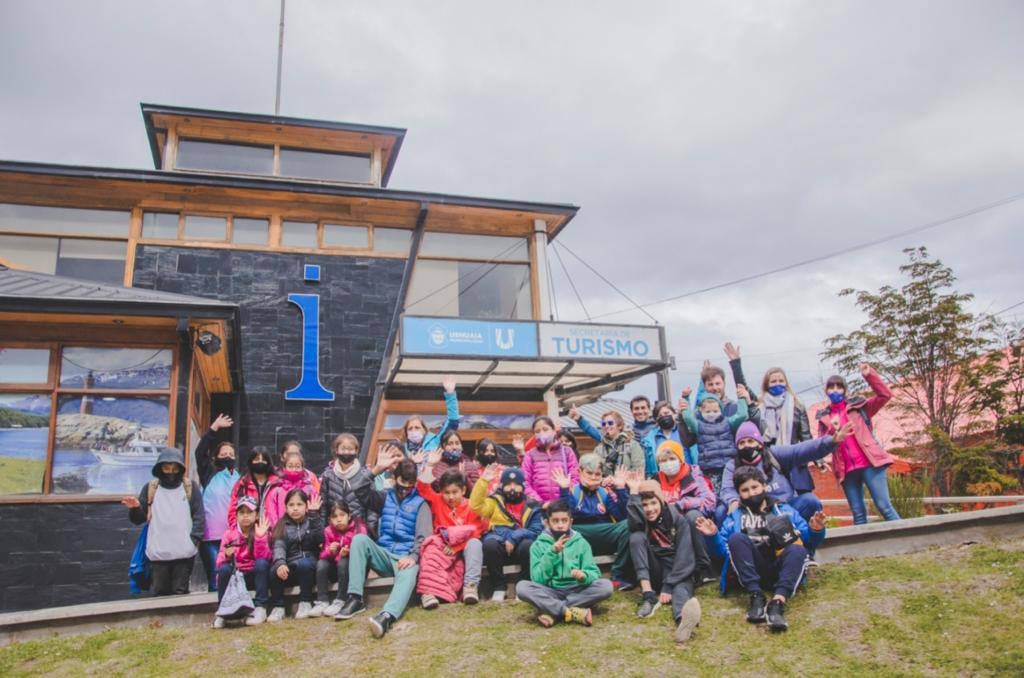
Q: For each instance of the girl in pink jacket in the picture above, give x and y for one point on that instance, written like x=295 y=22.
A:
x=548 y=453
x=342 y=528
x=245 y=547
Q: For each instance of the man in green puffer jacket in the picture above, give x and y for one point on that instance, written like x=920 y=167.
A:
x=565 y=582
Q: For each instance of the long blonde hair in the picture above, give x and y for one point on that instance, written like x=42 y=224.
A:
x=789 y=389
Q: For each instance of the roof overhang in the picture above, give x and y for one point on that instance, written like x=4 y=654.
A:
x=514 y=359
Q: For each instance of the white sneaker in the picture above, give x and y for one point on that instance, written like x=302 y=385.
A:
x=218 y=622
x=318 y=609
x=258 y=616
x=498 y=596
x=276 y=615
x=334 y=608
x=304 y=611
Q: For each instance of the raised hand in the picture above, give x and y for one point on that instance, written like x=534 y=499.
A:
x=490 y=473
x=843 y=433
x=449 y=384
x=865 y=369
x=620 y=477
x=633 y=480
x=561 y=478
x=742 y=392
x=574 y=413
x=519 y=443
x=434 y=457
x=130 y=502
x=262 y=527
x=222 y=421
x=419 y=456
x=732 y=352
x=560 y=543
x=315 y=502
x=817 y=521
x=706 y=526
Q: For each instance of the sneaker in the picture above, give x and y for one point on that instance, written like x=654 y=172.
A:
x=304 y=610
x=470 y=594
x=546 y=620
x=258 y=616
x=777 y=616
x=498 y=596
x=755 y=613
x=429 y=601
x=689 y=618
x=811 y=562
x=276 y=615
x=705 y=576
x=218 y=622
x=318 y=609
x=334 y=608
x=580 y=615
x=649 y=605
x=622 y=584
x=353 y=606
x=380 y=624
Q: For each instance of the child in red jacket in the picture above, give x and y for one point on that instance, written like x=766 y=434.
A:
x=342 y=528
x=457 y=530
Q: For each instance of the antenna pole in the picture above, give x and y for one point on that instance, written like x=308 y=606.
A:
x=280 y=55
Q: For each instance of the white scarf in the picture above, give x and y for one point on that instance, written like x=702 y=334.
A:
x=777 y=418
x=350 y=473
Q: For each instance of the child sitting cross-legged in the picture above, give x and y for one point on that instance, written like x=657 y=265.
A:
x=452 y=558
x=342 y=528
x=767 y=541
x=565 y=582
x=661 y=545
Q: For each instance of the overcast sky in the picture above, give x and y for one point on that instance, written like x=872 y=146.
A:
x=703 y=141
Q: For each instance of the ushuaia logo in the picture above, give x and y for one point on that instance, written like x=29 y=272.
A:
x=507 y=344
x=438 y=337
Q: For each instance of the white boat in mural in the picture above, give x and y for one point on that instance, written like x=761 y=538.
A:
x=136 y=453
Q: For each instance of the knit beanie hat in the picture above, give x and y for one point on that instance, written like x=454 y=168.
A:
x=748 y=429
x=709 y=396
x=836 y=380
x=512 y=474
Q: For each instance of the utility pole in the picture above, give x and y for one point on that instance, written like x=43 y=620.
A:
x=280 y=55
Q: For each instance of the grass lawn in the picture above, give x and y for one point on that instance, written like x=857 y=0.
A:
x=949 y=611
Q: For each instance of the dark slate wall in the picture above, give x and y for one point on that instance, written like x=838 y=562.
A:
x=76 y=553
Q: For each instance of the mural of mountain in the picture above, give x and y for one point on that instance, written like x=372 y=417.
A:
x=12 y=418
x=32 y=404
x=83 y=431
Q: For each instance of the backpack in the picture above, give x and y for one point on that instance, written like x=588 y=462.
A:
x=602 y=500
x=151 y=492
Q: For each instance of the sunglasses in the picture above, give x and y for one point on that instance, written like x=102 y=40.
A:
x=609 y=422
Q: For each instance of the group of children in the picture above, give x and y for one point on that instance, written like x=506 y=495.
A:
x=683 y=497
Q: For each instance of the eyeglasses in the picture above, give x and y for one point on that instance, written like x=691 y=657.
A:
x=609 y=422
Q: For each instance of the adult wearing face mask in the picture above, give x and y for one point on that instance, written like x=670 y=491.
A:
x=453 y=458
x=777 y=463
x=860 y=460
x=174 y=511
x=342 y=479
x=261 y=484
x=215 y=461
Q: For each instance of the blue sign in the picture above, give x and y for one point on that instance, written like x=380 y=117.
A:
x=309 y=387
x=457 y=337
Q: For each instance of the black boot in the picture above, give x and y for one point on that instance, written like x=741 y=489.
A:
x=381 y=623
x=353 y=606
x=777 y=616
x=755 y=613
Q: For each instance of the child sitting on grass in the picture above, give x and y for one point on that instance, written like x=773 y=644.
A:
x=767 y=542
x=246 y=548
x=565 y=582
x=455 y=544
x=333 y=564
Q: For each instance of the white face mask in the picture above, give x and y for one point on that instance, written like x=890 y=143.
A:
x=711 y=418
x=415 y=437
x=670 y=467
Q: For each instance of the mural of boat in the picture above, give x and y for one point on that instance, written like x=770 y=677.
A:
x=136 y=453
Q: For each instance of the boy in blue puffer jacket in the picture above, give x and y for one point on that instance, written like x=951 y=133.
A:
x=767 y=542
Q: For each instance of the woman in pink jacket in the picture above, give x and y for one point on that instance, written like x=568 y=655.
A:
x=860 y=459
x=548 y=453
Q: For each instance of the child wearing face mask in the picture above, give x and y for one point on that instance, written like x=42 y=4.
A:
x=294 y=475
x=246 y=548
x=342 y=527
x=684 y=487
x=344 y=475
x=174 y=510
x=297 y=539
x=261 y=484
x=452 y=458
x=668 y=426
x=548 y=453
x=215 y=462
x=766 y=542
x=452 y=558
x=515 y=522
x=715 y=433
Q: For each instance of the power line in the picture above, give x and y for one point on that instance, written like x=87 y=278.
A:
x=571 y=283
x=830 y=255
x=593 y=270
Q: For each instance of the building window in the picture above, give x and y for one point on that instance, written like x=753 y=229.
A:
x=64 y=221
x=298 y=234
x=205 y=228
x=392 y=240
x=303 y=164
x=111 y=420
x=337 y=235
x=464 y=246
x=249 y=231
x=160 y=226
x=470 y=289
x=96 y=260
x=221 y=157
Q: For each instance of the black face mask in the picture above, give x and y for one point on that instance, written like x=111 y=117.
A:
x=666 y=421
x=260 y=467
x=170 y=480
x=558 y=534
x=487 y=459
x=750 y=455
x=753 y=502
x=401 y=492
x=221 y=463
x=512 y=497
x=346 y=459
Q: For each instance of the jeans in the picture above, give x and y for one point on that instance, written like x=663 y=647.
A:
x=258 y=578
x=806 y=504
x=328 y=571
x=496 y=558
x=757 y=570
x=208 y=551
x=874 y=478
x=473 y=556
x=556 y=601
x=301 y=572
x=365 y=554
x=171 y=576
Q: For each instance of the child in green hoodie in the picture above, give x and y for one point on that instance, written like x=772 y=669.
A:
x=565 y=582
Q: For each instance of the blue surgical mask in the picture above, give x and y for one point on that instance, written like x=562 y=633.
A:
x=777 y=389
x=836 y=397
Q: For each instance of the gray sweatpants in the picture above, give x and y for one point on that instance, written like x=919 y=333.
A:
x=556 y=601
x=473 y=555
